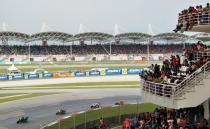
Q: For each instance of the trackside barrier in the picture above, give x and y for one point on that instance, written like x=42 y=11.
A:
x=94 y=73
x=30 y=76
x=103 y=72
x=135 y=71
x=56 y=75
x=4 y=77
x=80 y=74
x=47 y=75
x=113 y=72
x=18 y=76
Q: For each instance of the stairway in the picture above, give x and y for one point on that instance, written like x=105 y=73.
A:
x=191 y=92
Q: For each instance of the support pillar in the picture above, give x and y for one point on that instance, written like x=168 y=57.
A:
x=206 y=109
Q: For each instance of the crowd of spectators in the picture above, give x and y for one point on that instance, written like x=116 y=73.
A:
x=163 y=118
x=193 y=16
x=91 y=49
x=173 y=71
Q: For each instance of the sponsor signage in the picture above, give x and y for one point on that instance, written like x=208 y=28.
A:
x=134 y=70
x=18 y=76
x=4 y=77
x=46 y=75
x=94 y=73
x=78 y=74
x=113 y=72
x=33 y=76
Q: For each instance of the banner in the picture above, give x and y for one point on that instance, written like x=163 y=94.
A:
x=94 y=73
x=134 y=70
x=18 y=76
x=4 y=77
x=33 y=76
x=47 y=75
x=113 y=72
x=102 y=72
x=79 y=74
x=124 y=71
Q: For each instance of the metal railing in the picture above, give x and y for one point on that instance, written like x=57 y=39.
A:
x=201 y=18
x=177 y=91
x=198 y=55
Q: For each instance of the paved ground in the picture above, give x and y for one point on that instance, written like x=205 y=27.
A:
x=41 y=110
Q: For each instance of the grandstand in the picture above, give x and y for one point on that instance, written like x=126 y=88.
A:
x=178 y=88
x=89 y=46
x=194 y=19
x=184 y=85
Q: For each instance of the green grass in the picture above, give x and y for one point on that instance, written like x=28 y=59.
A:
x=51 y=88
x=105 y=113
x=24 y=97
x=127 y=84
x=9 y=94
x=117 y=127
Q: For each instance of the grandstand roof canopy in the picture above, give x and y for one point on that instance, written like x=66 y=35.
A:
x=170 y=36
x=134 y=36
x=92 y=36
x=202 y=36
x=51 y=35
x=14 y=36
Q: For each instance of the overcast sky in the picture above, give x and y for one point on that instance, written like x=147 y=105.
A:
x=27 y=16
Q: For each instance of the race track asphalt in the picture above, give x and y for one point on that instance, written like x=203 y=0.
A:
x=41 y=110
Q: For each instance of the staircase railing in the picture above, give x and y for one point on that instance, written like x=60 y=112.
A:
x=176 y=91
x=192 y=80
x=198 y=55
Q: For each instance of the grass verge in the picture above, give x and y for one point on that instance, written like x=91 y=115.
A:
x=105 y=113
x=9 y=94
x=24 y=97
x=127 y=84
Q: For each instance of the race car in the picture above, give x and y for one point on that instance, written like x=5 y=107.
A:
x=95 y=105
x=120 y=102
x=22 y=120
x=61 y=112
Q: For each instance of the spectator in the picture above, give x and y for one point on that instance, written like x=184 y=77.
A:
x=193 y=16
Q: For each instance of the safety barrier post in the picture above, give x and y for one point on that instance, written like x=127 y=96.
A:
x=85 y=119
x=119 y=113
x=204 y=72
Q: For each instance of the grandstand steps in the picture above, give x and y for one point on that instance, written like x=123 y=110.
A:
x=193 y=92
x=180 y=98
x=201 y=28
x=193 y=99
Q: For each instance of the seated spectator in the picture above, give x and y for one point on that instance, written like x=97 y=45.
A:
x=173 y=72
x=192 y=16
x=181 y=121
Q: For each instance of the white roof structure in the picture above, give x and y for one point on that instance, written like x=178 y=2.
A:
x=6 y=36
x=170 y=36
x=202 y=36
